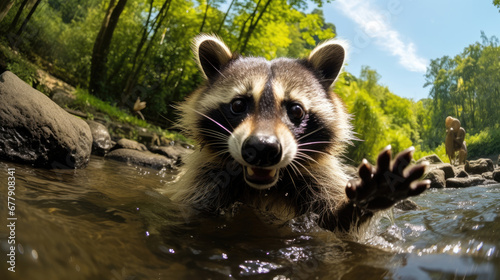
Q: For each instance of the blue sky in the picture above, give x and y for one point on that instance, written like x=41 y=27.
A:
x=398 y=38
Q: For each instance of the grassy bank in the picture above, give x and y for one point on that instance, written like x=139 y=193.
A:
x=83 y=101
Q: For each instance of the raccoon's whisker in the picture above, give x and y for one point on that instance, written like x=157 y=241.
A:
x=226 y=119
x=292 y=164
x=216 y=134
x=296 y=161
x=221 y=153
x=310 y=133
x=294 y=171
x=313 y=143
x=216 y=122
x=314 y=151
x=213 y=66
x=306 y=156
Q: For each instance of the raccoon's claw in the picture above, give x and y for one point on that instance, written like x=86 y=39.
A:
x=381 y=187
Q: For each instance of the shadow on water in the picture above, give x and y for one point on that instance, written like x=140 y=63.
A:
x=109 y=221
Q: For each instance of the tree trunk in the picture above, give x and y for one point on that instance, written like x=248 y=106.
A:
x=253 y=25
x=137 y=67
x=98 y=68
x=204 y=17
x=27 y=19
x=225 y=16
x=17 y=16
x=251 y=17
x=5 y=6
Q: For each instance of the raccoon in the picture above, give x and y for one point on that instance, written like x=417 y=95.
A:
x=272 y=135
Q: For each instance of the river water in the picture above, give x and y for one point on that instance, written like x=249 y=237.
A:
x=110 y=221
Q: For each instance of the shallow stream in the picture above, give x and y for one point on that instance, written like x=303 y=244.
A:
x=110 y=221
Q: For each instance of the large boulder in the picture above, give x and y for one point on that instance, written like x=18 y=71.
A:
x=142 y=158
x=35 y=130
x=496 y=175
x=448 y=169
x=101 y=140
x=437 y=177
x=479 y=166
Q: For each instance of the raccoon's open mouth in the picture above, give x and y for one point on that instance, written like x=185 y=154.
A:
x=261 y=178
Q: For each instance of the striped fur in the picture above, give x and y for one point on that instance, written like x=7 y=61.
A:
x=310 y=175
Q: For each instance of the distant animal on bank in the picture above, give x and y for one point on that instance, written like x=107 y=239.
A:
x=272 y=135
x=455 y=141
x=138 y=106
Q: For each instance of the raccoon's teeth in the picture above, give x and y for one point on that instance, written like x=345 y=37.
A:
x=250 y=171
x=273 y=172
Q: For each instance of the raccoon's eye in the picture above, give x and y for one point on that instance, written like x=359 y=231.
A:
x=296 y=112
x=238 y=106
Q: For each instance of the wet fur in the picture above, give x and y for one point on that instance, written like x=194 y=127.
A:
x=315 y=181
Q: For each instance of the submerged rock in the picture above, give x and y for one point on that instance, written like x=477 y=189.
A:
x=35 y=130
x=130 y=144
x=470 y=181
x=465 y=182
x=174 y=152
x=479 y=166
x=406 y=205
x=143 y=158
x=101 y=140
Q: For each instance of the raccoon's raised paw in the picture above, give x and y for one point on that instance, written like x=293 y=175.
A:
x=381 y=187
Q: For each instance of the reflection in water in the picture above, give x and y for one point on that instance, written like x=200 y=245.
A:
x=110 y=221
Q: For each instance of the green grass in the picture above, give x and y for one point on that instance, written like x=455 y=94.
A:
x=84 y=100
x=25 y=70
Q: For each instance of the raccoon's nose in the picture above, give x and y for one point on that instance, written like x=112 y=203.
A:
x=262 y=151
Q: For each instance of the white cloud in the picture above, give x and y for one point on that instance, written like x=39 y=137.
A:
x=375 y=25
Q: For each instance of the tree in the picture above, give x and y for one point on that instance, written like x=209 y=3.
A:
x=98 y=71
x=5 y=7
x=27 y=19
x=19 y=12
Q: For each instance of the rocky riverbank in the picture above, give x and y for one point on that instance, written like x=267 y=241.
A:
x=474 y=173
x=44 y=133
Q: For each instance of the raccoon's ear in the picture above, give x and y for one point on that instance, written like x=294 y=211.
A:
x=211 y=55
x=328 y=59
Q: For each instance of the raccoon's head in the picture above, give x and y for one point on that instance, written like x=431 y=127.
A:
x=275 y=118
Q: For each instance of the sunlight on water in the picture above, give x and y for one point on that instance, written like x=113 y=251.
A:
x=109 y=221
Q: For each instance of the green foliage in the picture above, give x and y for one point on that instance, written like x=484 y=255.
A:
x=466 y=87
x=379 y=117
x=24 y=72
x=484 y=143
x=150 y=54
x=440 y=151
